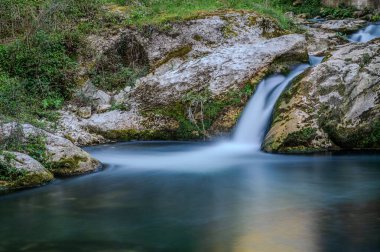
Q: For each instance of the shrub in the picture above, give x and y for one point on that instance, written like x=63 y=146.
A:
x=41 y=64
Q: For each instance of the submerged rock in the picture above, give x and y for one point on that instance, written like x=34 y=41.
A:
x=30 y=172
x=62 y=156
x=335 y=105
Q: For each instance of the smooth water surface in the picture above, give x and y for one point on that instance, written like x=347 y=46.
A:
x=172 y=196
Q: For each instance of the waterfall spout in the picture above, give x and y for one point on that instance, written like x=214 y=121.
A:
x=254 y=122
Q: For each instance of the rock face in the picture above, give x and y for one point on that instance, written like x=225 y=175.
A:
x=335 y=105
x=324 y=36
x=202 y=72
x=63 y=157
x=33 y=173
x=224 y=69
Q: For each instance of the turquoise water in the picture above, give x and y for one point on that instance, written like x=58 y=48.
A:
x=173 y=196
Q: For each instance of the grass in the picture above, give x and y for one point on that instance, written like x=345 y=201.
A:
x=154 y=12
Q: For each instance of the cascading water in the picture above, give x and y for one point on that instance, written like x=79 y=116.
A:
x=254 y=122
x=366 y=34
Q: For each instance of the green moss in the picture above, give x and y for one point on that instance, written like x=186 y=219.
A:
x=66 y=166
x=177 y=53
x=31 y=179
x=12 y=178
x=364 y=137
x=228 y=31
x=132 y=134
x=205 y=110
x=300 y=138
x=295 y=142
x=197 y=37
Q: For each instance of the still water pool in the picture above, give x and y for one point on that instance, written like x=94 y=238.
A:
x=174 y=196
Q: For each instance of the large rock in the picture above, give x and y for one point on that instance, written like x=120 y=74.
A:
x=202 y=73
x=32 y=173
x=224 y=69
x=63 y=157
x=335 y=105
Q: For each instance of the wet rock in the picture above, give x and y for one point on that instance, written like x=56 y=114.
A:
x=63 y=156
x=32 y=173
x=335 y=105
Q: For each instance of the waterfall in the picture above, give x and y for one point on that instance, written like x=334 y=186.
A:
x=366 y=34
x=254 y=122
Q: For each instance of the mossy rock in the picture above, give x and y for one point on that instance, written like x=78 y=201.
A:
x=70 y=166
x=31 y=180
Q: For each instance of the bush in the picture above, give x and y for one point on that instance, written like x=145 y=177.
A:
x=41 y=64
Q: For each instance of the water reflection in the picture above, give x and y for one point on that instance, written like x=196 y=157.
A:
x=155 y=201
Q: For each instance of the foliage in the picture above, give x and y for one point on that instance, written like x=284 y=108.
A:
x=36 y=76
x=197 y=111
x=7 y=171
x=33 y=145
x=314 y=8
x=42 y=64
x=110 y=73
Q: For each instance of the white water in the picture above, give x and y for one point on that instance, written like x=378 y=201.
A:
x=366 y=34
x=255 y=120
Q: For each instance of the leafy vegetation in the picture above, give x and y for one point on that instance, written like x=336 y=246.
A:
x=7 y=171
x=197 y=112
x=112 y=75
x=33 y=146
